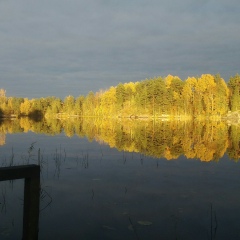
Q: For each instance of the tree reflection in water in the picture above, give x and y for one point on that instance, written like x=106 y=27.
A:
x=207 y=140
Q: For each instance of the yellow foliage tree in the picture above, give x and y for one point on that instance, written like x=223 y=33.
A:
x=25 y=107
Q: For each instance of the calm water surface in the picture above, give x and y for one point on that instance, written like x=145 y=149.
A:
x=92 y=191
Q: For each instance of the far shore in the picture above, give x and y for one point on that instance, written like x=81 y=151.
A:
x=230 y=116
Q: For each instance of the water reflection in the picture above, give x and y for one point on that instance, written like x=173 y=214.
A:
x=206 y=141
x=2 y=139
x=98 y=192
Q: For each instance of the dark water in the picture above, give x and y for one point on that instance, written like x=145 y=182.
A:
x=92 y=191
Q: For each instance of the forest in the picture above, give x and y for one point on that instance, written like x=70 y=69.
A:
x=207 y=96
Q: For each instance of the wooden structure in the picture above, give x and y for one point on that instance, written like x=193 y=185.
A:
x=31 y=174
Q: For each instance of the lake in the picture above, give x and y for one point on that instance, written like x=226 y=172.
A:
x=124 y=179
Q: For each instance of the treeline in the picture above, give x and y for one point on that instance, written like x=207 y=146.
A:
x=206 y=140
x=207 y=95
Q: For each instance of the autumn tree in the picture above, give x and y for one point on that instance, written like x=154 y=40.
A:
x=2 y=96
x=188 y=93
x=13 y=105
x=79 y=105
x=68 y=105
x=234 y=88
x=108 y=102
x=141 y=97
x=25 y=107
x=221 y=103
x=177 y=102
x=120 y=95
x=89 y=104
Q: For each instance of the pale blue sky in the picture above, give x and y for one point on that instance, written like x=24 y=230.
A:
x=70 y=47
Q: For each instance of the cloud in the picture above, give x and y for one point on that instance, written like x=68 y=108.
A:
x=71 y=47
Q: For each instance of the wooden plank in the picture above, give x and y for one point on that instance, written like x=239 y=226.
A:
x=18 y=172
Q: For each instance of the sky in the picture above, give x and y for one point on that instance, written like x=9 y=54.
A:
x=71 y=47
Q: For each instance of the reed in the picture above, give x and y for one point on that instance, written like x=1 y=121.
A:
x=85 y=162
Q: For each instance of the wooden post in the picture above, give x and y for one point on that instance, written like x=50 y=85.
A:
x=31 y=174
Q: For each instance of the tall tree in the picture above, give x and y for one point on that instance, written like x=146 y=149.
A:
x=120 y=95
x=234 y=87
x=68 y=105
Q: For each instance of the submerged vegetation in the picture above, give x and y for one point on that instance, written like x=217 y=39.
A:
x=204 y=140
x=207 y=96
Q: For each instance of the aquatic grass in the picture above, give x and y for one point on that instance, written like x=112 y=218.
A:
x=43 y=196
x=77 y=160
x=213 y=218
x=4 y=207
x=85 y=162
x=65 y=155
x=57 y=160
x=11 y=159
x=59 y=156
x=141 y=159
x=8 y=163
x=124 y=158
x=101 y=154
x=30 y=152
x=132 y=227
x=42 y=163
